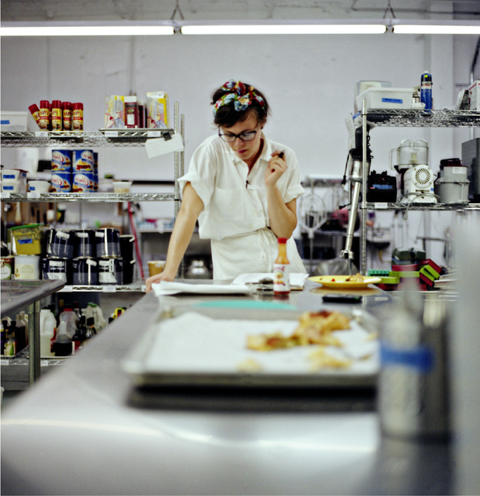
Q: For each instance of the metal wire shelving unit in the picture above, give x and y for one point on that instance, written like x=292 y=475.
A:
x=443 y=118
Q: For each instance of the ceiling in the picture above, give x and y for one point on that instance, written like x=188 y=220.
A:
x=147 y=10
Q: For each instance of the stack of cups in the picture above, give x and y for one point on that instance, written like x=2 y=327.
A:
x=110 y=261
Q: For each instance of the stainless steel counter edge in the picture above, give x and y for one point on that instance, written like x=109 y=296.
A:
x=74 y=433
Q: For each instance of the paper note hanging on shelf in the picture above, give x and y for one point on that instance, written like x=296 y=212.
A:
x=163 y=145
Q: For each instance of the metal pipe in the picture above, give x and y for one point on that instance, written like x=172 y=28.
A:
x=177 y=162
x=363 y=227
x=34 y=340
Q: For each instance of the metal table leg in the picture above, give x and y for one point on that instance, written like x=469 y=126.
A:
x=34 y=340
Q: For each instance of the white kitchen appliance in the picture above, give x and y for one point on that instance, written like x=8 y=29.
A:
x=418 y=185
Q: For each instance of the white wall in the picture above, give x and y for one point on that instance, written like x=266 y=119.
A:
x=309 y=81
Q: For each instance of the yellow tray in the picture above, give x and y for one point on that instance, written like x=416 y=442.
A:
x=340 y=282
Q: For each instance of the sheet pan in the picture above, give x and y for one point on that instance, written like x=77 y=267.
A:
x=194 y=348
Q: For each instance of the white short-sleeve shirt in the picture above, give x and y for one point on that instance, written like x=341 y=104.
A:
x=235 y=203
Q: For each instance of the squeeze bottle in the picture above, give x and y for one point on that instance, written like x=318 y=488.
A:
x=281 y=271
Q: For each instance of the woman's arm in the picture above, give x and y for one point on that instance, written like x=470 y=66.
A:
x=283 y=216
x=191 y=208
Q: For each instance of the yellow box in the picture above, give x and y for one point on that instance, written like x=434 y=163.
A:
x=157 y=110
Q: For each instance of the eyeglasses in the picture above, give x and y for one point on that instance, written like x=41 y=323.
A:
x=231 y=137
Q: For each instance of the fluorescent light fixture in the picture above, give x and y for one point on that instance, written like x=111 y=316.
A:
x=87 y=30
x=446 y=27
x=255 y=29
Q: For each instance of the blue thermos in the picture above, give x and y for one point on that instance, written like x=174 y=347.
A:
x=426 y=90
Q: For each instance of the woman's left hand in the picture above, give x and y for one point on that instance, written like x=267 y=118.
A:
x=276 y=167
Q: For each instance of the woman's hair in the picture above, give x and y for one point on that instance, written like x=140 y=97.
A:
x=235 y=101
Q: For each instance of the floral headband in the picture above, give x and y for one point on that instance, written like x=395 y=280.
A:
x=241 y=95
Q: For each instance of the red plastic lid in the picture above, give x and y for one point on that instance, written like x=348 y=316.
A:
x=44 y=103
x=33 y=108
x=282 y=240
x=67 y=105
x=78 y=106
x=57 y=104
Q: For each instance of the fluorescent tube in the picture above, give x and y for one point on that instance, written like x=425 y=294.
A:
x=436 y=29
x=86 y=30
x=252 y=29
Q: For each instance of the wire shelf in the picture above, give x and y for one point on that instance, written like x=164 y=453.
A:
x=420 y=118
x=93 y=197
x=80 y=139
x=422 y=206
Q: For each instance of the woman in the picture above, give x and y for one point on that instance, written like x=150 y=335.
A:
x=242 y=188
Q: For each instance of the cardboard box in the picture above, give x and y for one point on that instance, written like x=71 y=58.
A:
x=474 y=95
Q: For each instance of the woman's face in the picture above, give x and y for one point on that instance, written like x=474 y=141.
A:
x=245 y=149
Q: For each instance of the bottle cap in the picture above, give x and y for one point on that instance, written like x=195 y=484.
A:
x=282 y=240
x=44 y=104
x=56 y=104
x=78 y=106
x=67 y=105
x=33 y=108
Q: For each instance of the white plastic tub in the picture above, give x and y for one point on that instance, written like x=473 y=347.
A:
x=386 y=98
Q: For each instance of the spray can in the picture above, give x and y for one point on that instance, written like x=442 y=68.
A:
x=426 y=90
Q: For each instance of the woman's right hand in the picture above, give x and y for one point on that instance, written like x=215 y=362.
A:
x=157 y=278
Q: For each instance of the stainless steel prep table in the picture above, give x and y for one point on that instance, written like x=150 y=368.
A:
x=74 y=433
x=20 y=294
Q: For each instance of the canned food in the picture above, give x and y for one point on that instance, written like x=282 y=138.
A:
x=54 y=268
x=61 y=182
x=60 y=243
x=83 y=182
x=84 y=243
x=107 y=242
x=62 y=160
x=110 y=270
x=6 y=267
x=83 y=161
x=27 y=267
x=84 y=271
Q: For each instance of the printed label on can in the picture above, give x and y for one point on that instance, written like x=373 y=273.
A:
x=6 y=267
x=62 y=160
x=54 y=269
x=61 y=181
x=110 y=271
x=82 y=182
x=83 y=161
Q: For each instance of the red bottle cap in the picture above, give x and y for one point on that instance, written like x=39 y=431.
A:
x=57 y=104
x=44 y=104
x=33 y=108
x=67 y=105
x=282 y=240
x=78 y=106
